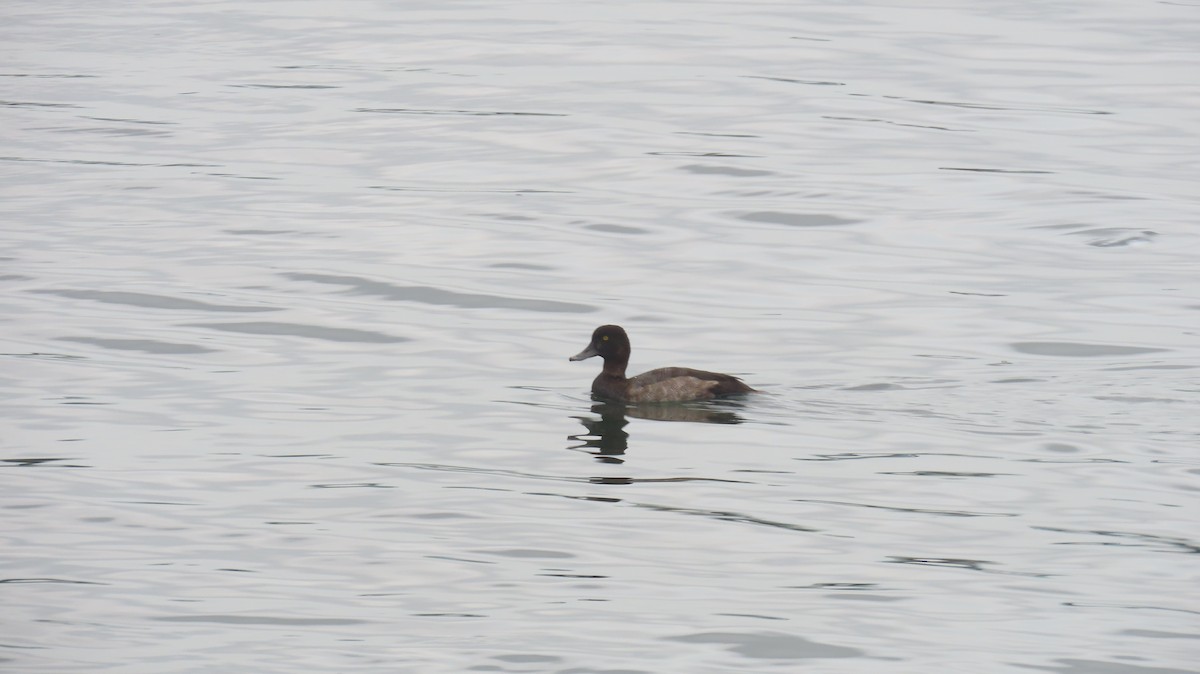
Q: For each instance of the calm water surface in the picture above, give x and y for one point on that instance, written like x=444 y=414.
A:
x=289 y=290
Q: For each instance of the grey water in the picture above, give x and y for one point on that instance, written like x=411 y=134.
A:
x=288 y=290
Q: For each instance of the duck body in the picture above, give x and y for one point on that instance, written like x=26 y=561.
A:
x=666 y=384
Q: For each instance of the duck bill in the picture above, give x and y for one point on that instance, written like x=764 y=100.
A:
x=586 y=353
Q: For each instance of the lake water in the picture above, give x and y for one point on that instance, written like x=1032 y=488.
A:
x=289 y=290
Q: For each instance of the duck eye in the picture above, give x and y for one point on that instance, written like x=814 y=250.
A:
x=605 y=338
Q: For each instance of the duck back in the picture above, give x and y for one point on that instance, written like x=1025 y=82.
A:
x=669 y=384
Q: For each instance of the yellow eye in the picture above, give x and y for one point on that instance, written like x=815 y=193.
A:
x=605 y=338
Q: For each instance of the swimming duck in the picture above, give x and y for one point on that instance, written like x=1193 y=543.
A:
x=666 y=384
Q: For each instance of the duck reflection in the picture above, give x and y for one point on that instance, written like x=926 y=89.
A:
x=607 y=435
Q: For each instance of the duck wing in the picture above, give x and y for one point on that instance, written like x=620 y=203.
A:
x=678 y=384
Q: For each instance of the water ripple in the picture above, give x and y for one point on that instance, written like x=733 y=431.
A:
x=150 y=301
x=431 y=295
x=303 y=330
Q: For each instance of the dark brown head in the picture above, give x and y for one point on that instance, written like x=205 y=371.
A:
x=610 y=343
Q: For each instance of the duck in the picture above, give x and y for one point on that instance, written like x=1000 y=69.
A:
x=666 y=384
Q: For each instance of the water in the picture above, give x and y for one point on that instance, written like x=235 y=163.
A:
x=289 y=290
